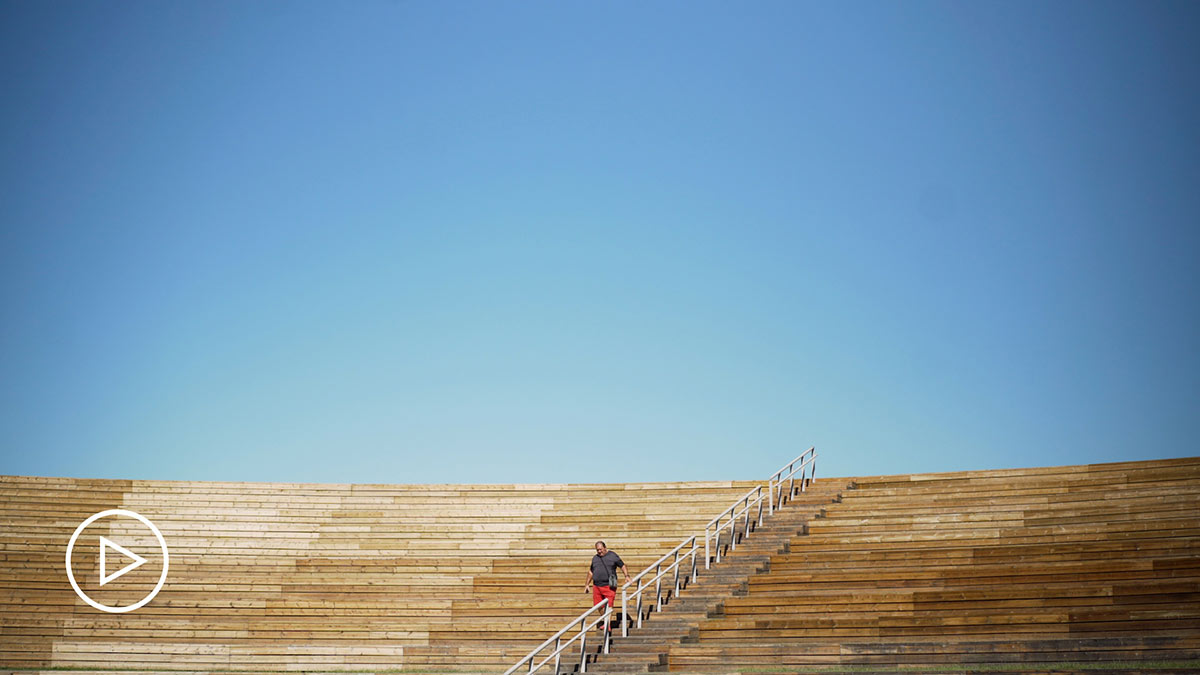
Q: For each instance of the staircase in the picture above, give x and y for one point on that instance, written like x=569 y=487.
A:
x=1057 y=569
x=645 y=649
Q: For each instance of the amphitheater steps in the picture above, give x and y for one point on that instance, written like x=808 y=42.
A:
x=645 y=649
x=1024 y=571
x=329 y=577
x=1007 y=569
x=1013 y=669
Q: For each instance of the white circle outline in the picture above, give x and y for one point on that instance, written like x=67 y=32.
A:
x=162 y=578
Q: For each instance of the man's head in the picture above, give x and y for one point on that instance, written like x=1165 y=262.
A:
x=601 y=549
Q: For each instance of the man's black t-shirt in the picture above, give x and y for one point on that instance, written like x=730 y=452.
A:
x=604 y=567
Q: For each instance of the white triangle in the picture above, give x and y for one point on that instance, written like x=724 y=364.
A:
x=106 y=543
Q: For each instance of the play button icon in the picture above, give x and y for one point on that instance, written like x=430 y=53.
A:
x=105 y=544
x=112 y=552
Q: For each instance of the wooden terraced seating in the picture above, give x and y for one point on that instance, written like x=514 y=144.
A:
x=280 y=577
x=1084 y=564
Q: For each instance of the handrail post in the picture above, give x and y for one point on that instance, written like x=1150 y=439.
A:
x=732 y=530
x=676 y=563
x=792 y=485
x=557 y=656
x=639 y=604
x=583 y=646
x=706 y=552
x=658 y=595
x=624 y=613
x=770 y=493
x=695 y=549
x=717 y=555
x=608 y=626
x=746 y=532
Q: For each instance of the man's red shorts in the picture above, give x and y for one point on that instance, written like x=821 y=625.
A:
x=601 y=592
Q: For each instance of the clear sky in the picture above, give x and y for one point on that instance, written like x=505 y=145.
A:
x=562 y=242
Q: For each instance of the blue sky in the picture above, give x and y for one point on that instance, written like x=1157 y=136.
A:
x=561 y=242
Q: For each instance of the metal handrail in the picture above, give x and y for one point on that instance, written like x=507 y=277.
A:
x=733 y=517
x=734 y=505
x=657 y=581
x=800 y=469
x=560 y=646
x=776 y=480
x=668 y=554
x=785 y=467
